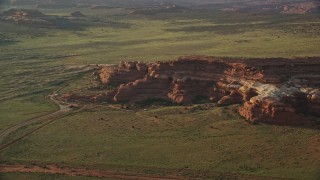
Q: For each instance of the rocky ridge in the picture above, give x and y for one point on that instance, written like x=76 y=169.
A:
x=35 y=18
x=301 y=8
x=279 y=91
x=29 y=17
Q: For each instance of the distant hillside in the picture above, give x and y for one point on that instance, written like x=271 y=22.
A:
x=35 y=18
x=27 y=17
x=300 y=8
x=276 y=6
x=163 y=8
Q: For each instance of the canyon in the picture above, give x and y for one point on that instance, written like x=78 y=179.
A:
x=275 y=90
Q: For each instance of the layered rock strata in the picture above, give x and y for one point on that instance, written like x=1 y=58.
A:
x=281 y=91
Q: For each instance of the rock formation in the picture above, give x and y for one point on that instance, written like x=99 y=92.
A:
x=23 y=13
x=28 y=17
x=161 y=8
x=301 y=8
x=77 y=14
x=280 y=91
x=35 y=18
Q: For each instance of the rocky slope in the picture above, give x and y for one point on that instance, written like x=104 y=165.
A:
x=301 y=8
x=28 y=17
x=281 y=91
x=35 y=18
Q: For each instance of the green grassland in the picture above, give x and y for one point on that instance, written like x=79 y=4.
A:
x=34 y=62
x=28 y=176
x=22 y=109
x=188 y=139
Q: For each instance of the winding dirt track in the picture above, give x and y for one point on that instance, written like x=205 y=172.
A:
x=9 y=130
x=53 y=169
x=62 y=111
x=115 y=174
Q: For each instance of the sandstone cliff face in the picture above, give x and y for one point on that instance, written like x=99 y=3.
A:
x=281 y=91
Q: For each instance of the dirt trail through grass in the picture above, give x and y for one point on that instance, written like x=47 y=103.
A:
x=62 y=111
x=53 y=169
x=116 y=174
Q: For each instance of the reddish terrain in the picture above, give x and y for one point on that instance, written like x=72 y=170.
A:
x=129 y=174
x=54 y=169
x=28 y=17
x=278 y=91
x=301 y=8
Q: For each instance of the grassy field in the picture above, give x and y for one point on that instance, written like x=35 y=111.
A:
x=27 y=176
x=36 y=61
x=20 y=110
x=186 y=139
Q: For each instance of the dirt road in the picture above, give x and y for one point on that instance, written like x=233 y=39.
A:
x=54 y=169
x=62 y=111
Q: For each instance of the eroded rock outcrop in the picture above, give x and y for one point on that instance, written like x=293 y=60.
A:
x=35 y=18
x=281 y=91
x=77 y=14
x=28 y=17
x=301 y=8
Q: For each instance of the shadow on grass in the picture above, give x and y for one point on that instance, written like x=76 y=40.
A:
x=219 y=29
x=4 y=42
x=62 y=23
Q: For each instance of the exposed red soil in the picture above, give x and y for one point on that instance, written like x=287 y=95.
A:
x=278 y=91
x=314 y=147
x=53 y=169
x=300 y=8
x=116 y=174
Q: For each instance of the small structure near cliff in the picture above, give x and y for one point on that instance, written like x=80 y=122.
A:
x=279 y=91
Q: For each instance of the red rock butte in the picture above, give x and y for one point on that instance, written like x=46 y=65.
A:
x=275 y=90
